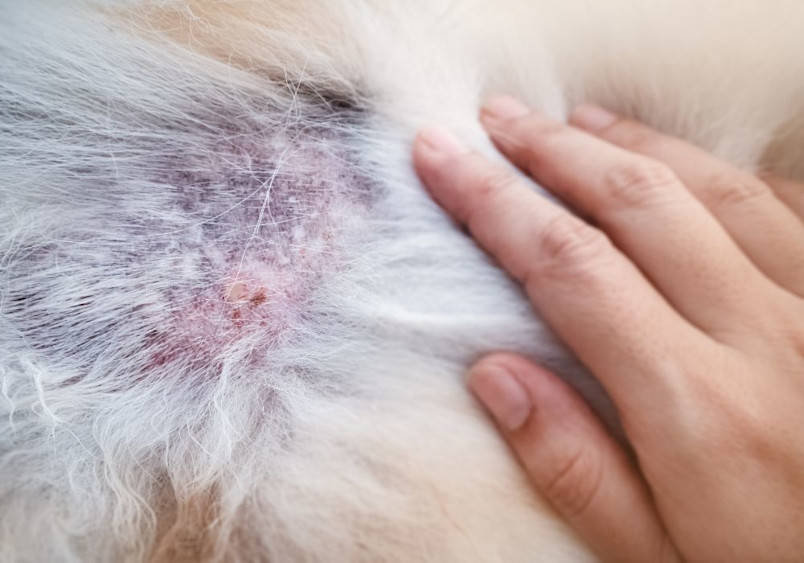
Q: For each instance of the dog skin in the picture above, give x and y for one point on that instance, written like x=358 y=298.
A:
x=234 y=324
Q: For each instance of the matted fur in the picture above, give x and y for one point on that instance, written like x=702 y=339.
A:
x=232 y=323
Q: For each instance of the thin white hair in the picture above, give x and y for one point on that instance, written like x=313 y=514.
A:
x=234 y=324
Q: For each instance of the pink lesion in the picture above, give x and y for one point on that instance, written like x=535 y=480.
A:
x=217 y=319
x=246 y=282
x=237 y=292
x=260 y=301
x=244 y=301
x=251 y=302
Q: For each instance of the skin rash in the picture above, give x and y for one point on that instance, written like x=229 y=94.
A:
x=234 y=324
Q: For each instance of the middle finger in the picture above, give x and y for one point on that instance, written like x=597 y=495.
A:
x=767 y=230
x=645 y=209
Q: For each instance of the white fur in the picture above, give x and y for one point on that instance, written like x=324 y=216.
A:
x=352 y=438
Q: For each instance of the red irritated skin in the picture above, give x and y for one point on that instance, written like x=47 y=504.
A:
x=264 y=247
x=247 y=231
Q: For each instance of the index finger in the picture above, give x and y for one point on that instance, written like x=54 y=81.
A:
x=600 y=304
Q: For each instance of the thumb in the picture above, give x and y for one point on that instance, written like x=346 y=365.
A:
x=572 y=460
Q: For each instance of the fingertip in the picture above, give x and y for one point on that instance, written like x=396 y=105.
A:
x=433 y=149
x=540 y=382
x=569 y=457
x=438 y=141
x=498 y=388
x=503 y=107
x=592 y=118
x=512 y=387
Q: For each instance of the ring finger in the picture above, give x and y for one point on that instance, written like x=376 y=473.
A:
x=645 y=209
x=767 y=230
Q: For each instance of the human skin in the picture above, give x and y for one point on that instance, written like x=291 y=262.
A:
x=680 y=285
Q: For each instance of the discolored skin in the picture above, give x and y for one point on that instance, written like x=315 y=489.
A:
x=682 y=291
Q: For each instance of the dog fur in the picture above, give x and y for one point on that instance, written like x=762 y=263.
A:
x=233 y=324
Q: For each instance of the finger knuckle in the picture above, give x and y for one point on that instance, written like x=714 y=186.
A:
x=575 y=484
x=633 y=136
x=568 y=246
x=493 y=183
x=487 y=194
x=730 y=190
x=784 y=322
x=733 y=423
x=740 y=432
x=640 y=183
x=746 y=423
x=540 y=129
x=537 y=135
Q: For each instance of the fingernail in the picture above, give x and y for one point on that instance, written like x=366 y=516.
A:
x=504 y=107
x=592 y=118
x=441 y=141
x=502 y=394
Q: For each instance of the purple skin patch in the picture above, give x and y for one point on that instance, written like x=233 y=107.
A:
x=212 y=259
x=271 y=230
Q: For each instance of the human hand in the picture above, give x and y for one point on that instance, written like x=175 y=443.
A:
x=683 y=293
